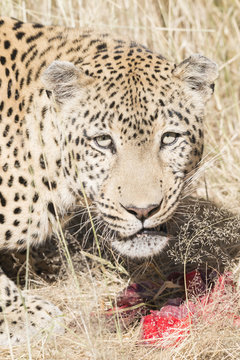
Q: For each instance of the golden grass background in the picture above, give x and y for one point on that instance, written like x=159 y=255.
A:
x=176 y=29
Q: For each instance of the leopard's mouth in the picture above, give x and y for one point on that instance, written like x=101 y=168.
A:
x=160 y=230
x=145 y=243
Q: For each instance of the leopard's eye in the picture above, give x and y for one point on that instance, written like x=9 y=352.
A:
x=104 y=141
x=169 y=138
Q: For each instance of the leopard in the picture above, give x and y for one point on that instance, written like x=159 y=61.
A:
x=95 y=119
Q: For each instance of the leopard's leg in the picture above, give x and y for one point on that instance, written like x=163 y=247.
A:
x=24 y=316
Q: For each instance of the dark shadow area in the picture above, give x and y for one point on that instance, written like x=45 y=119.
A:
x=203 y=236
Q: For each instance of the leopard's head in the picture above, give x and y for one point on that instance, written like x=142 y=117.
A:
x=134 y=129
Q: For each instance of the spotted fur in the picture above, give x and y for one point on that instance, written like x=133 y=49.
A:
x=82 y=113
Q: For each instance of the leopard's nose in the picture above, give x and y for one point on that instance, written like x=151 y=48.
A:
x=143 y=213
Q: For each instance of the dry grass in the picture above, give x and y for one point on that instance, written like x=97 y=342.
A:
x=176 y=29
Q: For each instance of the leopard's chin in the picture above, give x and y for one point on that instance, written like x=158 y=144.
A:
x=145 y=243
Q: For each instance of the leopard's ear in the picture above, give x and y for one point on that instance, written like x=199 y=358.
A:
x=199 y=73
x=64 y=80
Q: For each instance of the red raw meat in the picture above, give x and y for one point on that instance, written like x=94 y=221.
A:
x=169 y=325
x=157 y=329
x=179 y=312
x=138 y=292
